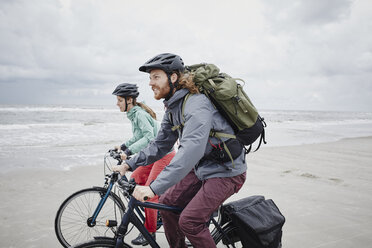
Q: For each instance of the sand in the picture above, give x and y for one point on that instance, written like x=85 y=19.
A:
x=323 y=190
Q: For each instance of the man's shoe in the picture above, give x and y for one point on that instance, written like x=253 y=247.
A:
x=140 y=240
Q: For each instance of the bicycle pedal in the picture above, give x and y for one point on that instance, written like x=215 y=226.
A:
x=111 y=223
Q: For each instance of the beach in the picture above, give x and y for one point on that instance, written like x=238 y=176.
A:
x=324 y=191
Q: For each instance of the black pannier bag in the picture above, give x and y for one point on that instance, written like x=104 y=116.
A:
x=259 y=222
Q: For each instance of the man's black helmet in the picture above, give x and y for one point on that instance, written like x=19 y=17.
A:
x=125 y=89
x=167 y=62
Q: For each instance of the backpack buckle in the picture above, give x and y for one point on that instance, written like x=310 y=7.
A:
x=212 y=133
x=237 y=98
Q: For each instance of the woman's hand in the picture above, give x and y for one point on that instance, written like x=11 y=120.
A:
x=140 y=192
x=122 y=169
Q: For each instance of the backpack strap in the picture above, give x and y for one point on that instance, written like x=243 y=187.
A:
x=212 y=83
x=212 y=133
x=220 y=135
x=239 y=79
x=262 y=139
x=180 y=126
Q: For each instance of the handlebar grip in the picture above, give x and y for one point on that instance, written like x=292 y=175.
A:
x=121 y=182
x=128 y=186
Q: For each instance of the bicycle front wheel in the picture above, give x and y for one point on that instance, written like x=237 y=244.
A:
x=72 y=225
x=100 y=242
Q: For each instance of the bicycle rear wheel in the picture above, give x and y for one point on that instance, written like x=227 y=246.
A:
x=71 y=222
x=100 y=242
x=229 y=237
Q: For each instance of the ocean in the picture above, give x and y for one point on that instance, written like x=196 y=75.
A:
x=64 y=136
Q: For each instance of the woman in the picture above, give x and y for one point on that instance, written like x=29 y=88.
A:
x=144 y=129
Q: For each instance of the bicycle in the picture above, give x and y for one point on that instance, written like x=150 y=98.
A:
x=223 y=230
x=83 y=214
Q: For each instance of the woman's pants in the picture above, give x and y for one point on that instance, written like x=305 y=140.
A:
x=144 y=175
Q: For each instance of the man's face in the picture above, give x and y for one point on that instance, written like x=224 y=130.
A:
x=159 y=83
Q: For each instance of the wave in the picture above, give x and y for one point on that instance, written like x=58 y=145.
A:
x=317 y=117
x=58 y=125
x=55 y=109
x=38 y=125
x=321 y=122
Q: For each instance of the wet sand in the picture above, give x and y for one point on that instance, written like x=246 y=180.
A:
x=323 y=190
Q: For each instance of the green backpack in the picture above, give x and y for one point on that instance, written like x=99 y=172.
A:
x=232 y=102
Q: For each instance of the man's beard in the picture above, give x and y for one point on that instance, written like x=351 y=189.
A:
x=160 y=93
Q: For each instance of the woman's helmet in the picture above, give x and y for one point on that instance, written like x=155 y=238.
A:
x=167 y=62
x=126 y=89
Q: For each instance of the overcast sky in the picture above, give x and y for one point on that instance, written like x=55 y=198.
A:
x=293 y=54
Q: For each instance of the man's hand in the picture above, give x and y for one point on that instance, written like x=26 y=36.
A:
x=123 y=156
x=123 y=168
x=140 y=192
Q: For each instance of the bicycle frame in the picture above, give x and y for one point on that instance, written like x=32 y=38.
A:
x=130 y=217
x=92 y=220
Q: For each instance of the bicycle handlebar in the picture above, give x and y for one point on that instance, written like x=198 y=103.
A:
x=129 y=186
x=116 y=155
x=126 y=185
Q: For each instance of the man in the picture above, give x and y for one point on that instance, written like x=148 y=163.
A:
x=192 y=180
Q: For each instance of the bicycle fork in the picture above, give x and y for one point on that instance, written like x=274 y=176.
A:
x=92 y=220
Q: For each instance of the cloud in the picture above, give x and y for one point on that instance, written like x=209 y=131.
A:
x=310 y=13
x=292 y=54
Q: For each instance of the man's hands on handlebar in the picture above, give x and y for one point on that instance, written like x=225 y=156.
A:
x=122 y=169
x=143 y=193
x=140 y=192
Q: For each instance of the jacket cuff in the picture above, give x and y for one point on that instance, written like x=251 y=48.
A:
x=130 y=164
x=127 y=152
x=123 y=147
x=155 y=188
x=130 y=167
x=152 y=189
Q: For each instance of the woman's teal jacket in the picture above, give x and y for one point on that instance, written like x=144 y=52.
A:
x=144 y=129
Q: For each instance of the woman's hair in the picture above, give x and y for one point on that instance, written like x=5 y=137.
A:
x=145 y=107
x=186 y=81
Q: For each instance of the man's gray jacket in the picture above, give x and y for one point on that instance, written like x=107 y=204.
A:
x=200 y=117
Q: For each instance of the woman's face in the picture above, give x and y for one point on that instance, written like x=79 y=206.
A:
x=121 y=103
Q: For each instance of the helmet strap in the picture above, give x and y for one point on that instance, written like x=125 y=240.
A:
x=171 y=86
x=126 y=104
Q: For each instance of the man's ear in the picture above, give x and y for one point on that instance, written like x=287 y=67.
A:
x=174 y=77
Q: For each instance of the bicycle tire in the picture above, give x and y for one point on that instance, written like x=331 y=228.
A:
x=71 y=222
x=230 y=231
x=100 y=242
